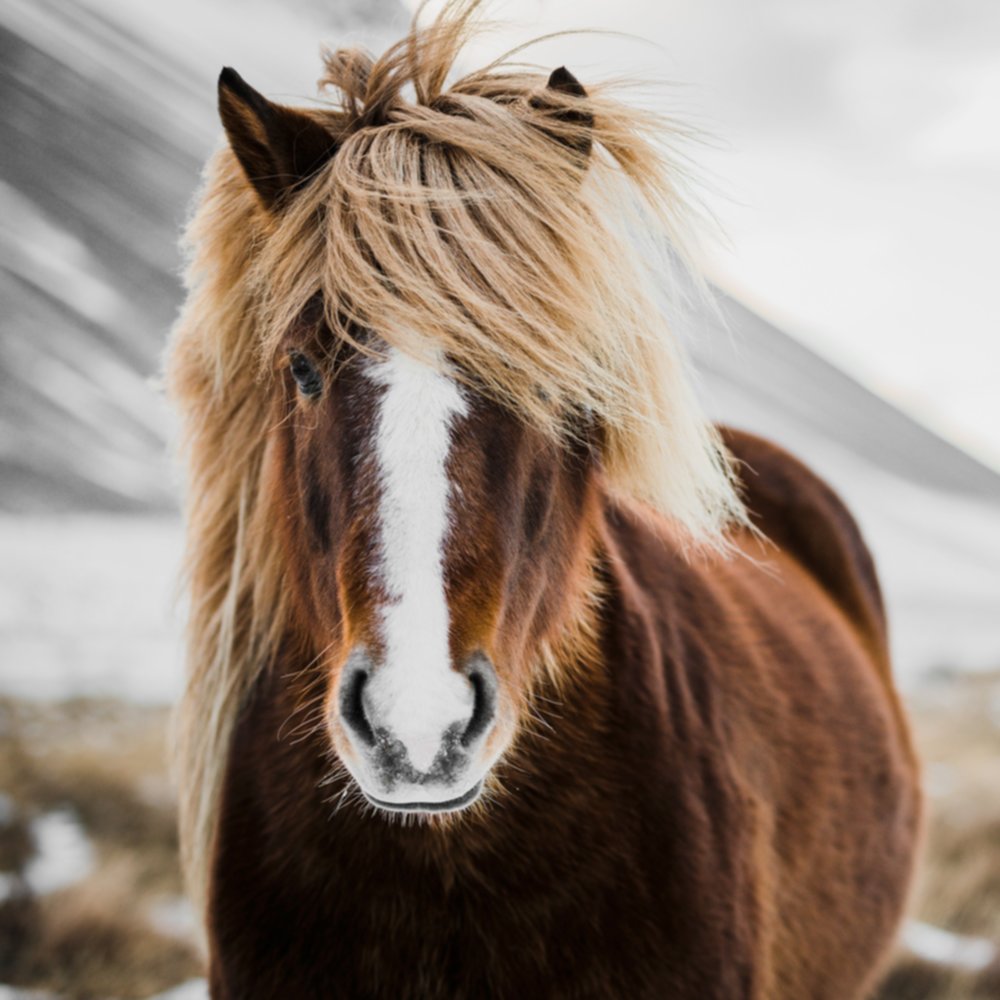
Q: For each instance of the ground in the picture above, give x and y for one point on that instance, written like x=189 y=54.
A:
x=90 y=898
x=957 y=724
x=92 y=905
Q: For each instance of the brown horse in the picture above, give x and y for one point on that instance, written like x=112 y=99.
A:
x=496 y=689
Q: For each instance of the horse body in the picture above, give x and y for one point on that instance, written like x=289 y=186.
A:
x=723 y=807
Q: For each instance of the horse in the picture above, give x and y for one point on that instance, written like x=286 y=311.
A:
x=509 y=674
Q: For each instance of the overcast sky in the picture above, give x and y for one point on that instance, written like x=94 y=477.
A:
x=857 y=171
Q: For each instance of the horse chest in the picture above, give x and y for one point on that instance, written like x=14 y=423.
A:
x=558 y=896
x=466 y=944
x=590 y=921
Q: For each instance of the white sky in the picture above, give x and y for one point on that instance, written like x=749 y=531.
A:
x=856 y=168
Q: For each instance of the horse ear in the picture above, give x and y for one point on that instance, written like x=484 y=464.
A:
x=578 y=136
x=279 y=148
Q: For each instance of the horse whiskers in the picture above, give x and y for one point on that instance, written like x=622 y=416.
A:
x=535 y=715
x=309 y=706
x=348 y=795
x=537 y=695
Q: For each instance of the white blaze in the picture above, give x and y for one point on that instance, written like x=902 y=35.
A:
x=415 y=693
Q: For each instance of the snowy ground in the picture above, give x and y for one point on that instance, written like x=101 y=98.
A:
x=88 y=869
x=87 y=607
x=87 y=602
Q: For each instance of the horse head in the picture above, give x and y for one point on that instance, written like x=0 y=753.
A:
x=442 y=540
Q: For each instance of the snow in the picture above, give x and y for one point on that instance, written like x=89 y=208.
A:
x=10 y=885
x=87 y=604
x=193 y=989
x=973 y=954
x=175 y=916
x=63 y=855
x=86 y=601
x=87 y=608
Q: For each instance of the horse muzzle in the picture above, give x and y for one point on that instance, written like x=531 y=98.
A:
x=418 y=734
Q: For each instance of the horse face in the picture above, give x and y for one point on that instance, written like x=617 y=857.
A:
x=442 y=539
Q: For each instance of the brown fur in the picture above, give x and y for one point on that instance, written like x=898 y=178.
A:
x=722 y=804
x=706 y=786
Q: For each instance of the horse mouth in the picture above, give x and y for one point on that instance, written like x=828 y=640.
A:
x=449 y=805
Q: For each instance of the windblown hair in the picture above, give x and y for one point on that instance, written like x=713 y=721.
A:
x=461 y=221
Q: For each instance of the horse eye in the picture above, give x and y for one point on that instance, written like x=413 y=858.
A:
x=308 y=379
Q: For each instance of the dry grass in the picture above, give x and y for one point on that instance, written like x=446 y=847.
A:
x=104 y=762
x=98 y=938
x=957 y=724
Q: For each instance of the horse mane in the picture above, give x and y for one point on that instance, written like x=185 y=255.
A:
x=450 y=223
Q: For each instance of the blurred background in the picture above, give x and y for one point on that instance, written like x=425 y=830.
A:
x=852 y=162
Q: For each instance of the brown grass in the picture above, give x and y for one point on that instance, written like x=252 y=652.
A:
x=957 y=724
x=106 y=763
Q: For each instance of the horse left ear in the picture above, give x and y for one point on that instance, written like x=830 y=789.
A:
x=279 y=148
x=579 y=122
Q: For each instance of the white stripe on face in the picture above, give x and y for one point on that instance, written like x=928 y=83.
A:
x=414 y=693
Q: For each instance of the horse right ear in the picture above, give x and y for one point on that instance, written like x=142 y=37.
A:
x=574 y=125
x=279 y=148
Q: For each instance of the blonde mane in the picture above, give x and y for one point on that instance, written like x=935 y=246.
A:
x=450 y=219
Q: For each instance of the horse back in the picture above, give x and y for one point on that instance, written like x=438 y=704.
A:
x=803 y=517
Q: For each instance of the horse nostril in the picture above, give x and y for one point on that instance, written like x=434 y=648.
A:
x=483 y=679
x=352 y=707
